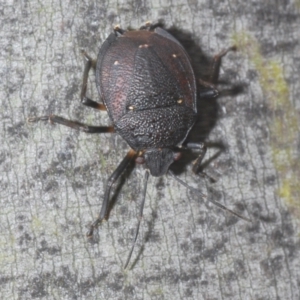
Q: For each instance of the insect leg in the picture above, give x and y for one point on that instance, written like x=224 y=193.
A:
x=147 y=26
x=90 y=63
x=118 y=30
x=72 y=124
x=208 y=89
x=201 y=147
x=198 y=165
x=111 y=180
x=215 y=67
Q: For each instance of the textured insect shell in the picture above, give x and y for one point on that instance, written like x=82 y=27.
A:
x=148 y=86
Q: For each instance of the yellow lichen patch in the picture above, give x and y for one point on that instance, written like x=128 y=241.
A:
x=283 y=123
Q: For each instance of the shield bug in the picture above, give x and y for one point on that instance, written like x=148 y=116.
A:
x=148 y=89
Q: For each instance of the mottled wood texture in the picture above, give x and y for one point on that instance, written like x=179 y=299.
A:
x=52 y=178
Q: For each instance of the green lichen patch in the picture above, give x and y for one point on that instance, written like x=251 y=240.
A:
x=283 y=122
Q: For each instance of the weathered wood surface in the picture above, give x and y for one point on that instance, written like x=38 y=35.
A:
x=52 y=178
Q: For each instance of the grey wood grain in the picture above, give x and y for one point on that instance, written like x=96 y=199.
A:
x=52 y=179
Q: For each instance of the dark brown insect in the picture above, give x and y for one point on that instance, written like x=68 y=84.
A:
x=148 y=88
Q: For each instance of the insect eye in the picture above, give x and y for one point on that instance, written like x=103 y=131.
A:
x=177 y=155
x=140 y=160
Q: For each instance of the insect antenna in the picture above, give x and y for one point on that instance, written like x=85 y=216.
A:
x=204 y=196
x=140 y=218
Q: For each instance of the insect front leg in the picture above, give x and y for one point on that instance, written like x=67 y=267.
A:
x=201 y=148
x=216 y=63
x=208 y=89
x=90 y=63
x=199 y=165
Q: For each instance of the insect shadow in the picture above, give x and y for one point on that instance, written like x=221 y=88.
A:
x=208 y=109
